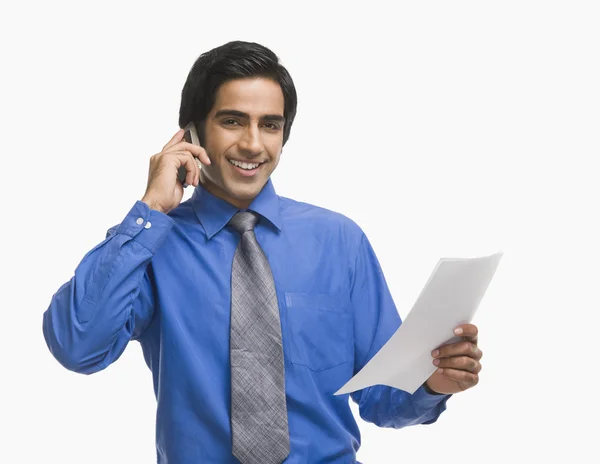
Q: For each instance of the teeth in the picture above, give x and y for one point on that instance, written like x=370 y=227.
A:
x=243 y=165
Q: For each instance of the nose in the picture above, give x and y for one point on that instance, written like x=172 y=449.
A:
x=251 y=141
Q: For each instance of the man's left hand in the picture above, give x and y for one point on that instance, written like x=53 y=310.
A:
x=458 y=363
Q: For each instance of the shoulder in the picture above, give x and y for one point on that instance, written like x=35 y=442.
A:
x=183 y=213
x=300 y=215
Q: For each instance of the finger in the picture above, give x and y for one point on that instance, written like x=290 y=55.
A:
x=191 y=166
x=458 y=349
x=196 y=150
x=468 y=332
x=461 y=363
x=187 y=160
x=197 y=162
x=466 y=379
x=178 y=137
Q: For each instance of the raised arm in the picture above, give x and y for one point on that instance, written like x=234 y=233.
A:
x=109 y=300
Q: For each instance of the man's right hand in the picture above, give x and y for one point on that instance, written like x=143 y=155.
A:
x=164 y=191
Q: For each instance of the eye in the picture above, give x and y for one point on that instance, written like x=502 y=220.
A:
x=229 y=122
x=272 y=126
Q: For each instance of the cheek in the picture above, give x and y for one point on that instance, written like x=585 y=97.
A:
x=276 y=160
x=217 y=142
x=274 y=147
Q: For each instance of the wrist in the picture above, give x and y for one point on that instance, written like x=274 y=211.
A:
x=429 y=390
x=154 y=205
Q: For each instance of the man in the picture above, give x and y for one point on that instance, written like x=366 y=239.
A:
x=251 y=309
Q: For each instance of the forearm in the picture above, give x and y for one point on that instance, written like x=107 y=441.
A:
x=390 y=407
x=91 y=318
x=376 y=320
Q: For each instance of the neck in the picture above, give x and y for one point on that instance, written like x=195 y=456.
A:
x=218 y=192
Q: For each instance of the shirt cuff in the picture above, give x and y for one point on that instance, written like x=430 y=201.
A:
x=428 y=400
x=146 y=226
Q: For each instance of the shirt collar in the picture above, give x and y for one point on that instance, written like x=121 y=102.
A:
x=214 y=213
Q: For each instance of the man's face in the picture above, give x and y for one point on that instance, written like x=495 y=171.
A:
x=243 y=139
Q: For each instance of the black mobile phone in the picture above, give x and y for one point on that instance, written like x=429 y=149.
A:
x=191 y=136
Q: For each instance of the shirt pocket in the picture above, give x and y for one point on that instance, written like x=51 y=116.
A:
x=318 y=330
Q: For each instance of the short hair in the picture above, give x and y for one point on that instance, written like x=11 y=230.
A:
x=233 y=60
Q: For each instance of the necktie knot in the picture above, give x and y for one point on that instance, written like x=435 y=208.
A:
x=243 y=221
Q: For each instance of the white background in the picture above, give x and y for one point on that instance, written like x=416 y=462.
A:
x=443 y=128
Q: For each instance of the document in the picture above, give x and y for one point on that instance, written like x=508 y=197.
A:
x=450 y=298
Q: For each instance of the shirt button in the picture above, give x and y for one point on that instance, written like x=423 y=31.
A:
x=139 y=221
x=148 y=225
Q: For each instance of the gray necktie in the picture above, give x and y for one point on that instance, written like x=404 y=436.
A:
x=258 y=409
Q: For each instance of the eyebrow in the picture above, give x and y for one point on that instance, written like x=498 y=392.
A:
x=240 y=114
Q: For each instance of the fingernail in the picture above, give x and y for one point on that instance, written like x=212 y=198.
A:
x=435 y=353
x=440 y=371
x=436 y=362
x=458 y=331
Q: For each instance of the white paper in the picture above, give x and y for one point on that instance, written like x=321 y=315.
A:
x=450 y=298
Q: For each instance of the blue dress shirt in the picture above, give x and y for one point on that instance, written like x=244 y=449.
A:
x=165 y=281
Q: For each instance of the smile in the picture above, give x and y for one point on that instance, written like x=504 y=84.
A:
x=242 y=165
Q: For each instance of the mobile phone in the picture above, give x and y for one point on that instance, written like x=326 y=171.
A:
x=191 y=136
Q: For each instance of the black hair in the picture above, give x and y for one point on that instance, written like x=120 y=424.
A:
x=233 y=60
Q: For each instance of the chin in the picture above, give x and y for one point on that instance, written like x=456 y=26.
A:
x=245 y=192
x=245 y=195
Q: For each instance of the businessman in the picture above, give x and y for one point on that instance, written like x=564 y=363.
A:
x=251 y=309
